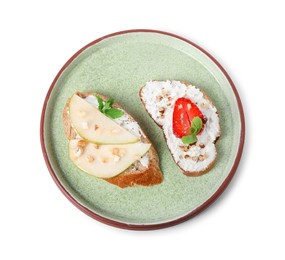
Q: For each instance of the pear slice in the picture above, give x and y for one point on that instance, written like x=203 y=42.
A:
x=94 y=126
x=105 y=161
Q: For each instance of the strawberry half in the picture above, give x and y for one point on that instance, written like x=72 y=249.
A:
x=184 y=111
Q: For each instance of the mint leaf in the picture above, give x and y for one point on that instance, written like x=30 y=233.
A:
x=197 y=124
x=189 y=139
x=106 y=108
x=110 y=102
x=100 y=103
x=114 y=113
x=193 y=130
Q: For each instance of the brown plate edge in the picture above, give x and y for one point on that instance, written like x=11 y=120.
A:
x=146 y=226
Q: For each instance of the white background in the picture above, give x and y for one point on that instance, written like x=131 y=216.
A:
x=38 y=222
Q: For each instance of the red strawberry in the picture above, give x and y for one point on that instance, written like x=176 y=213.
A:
x=184 y=111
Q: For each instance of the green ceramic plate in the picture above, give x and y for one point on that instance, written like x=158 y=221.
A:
x=117 y=65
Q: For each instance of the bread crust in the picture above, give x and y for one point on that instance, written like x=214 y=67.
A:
x=188 y=173
x=149 y=176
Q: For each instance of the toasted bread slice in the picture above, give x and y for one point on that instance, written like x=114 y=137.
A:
x=158 y=98
x=145 y=173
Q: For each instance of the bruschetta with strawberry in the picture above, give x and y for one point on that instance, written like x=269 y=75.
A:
x=189 y=120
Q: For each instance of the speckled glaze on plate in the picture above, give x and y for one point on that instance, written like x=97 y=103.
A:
x=117 y=65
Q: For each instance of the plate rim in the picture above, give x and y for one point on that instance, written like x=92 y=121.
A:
x=178 y=220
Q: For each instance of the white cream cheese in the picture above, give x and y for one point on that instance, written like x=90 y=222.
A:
x=125 y=122
x=161 y=96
